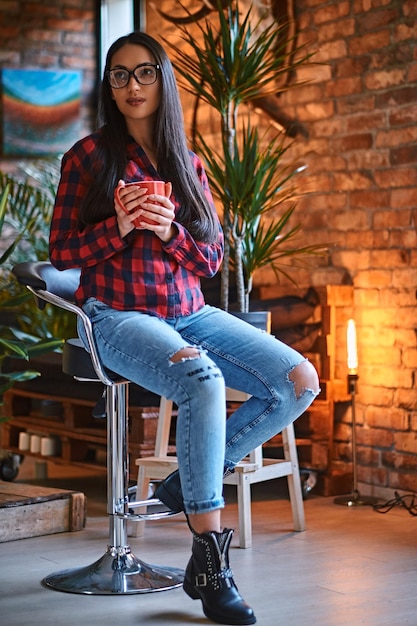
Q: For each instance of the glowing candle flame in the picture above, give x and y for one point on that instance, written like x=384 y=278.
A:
x=352 y=350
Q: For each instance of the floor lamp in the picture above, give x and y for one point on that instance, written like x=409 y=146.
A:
x=354 y=498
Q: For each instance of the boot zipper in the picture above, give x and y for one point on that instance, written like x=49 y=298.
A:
x=222 y=561
x=220 y=554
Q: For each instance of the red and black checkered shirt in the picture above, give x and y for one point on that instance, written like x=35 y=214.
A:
x=139 y=271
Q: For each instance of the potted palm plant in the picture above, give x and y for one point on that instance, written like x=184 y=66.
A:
x=232 y=64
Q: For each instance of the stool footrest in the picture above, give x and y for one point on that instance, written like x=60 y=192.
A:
x=143 y=517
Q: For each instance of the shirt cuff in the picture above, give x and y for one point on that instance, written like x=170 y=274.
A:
x=176 y=240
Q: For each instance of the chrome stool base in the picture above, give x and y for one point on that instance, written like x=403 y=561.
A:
x=117 y=574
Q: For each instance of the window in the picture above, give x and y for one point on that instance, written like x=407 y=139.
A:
x=117 y=18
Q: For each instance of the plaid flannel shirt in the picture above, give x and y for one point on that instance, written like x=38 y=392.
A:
x=139 y=271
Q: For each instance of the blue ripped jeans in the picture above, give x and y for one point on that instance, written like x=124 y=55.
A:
x=232 y=353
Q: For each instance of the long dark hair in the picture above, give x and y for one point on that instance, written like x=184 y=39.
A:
x=173 y=157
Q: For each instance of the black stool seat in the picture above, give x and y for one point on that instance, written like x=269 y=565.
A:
x=76 y=361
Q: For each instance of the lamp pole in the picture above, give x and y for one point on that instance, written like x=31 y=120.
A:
x=354 y=498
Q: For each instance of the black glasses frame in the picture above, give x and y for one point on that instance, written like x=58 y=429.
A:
x=132 y=73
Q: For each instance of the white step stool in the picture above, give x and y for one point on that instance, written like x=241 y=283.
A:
x=253 y=469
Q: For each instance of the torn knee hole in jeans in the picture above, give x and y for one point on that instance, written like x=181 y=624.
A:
x=189 y=353
x=304 y=378
x=203 y=372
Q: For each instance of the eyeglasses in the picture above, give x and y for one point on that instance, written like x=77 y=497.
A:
x=144 y=74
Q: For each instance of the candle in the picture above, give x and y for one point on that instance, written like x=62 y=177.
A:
x=35 y=444
x=47 y=446
x=352 y=350
x=24 y=440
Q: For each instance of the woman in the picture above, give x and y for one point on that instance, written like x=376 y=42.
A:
x=141 y=258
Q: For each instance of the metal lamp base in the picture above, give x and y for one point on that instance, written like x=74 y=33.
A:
x=356 y=499
x=117 y=574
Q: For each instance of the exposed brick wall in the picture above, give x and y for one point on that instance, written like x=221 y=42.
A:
x=359 y=110
x=361 y=116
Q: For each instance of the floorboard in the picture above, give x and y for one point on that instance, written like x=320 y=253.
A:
x=351 y=567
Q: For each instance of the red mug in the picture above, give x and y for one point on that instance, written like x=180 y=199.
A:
x=158 y=187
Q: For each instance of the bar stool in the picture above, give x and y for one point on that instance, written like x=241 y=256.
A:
x=118 y=571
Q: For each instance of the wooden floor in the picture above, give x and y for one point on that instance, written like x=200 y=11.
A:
x=352 y=566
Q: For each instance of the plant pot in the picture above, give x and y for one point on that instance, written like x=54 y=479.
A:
x=259 y=319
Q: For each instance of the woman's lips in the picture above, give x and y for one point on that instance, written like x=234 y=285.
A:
x=135 y=101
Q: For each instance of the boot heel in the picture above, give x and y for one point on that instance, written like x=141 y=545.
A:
x=190 y=590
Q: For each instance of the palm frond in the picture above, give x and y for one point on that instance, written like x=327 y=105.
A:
x=234 y=60
x=235 y=63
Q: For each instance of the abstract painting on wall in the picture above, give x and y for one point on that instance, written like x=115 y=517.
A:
x=41 y=111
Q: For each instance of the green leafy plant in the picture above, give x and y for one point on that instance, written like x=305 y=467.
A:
x=25 y=213
x=232 y=64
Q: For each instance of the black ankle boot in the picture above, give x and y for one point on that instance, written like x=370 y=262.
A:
x=169 y=491
x=208 y=578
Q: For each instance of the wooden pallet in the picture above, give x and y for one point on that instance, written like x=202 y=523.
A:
x=31 y=511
